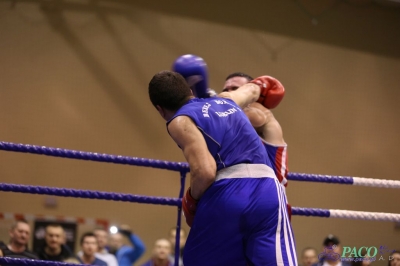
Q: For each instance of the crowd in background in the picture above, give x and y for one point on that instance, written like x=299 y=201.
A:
x=99 y=247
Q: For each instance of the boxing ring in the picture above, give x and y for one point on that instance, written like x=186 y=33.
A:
x=183 y=169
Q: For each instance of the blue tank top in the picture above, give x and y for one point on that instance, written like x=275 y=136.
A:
x=228 y=133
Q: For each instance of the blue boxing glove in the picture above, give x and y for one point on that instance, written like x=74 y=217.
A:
x=194 y=69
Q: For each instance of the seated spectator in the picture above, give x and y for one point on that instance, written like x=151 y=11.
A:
x=89 y=248
x=54 y=248
x=126 y=255
x=20 y=232
x=182 y=242
x=309 y=256
x=161 y=254
x=332 y=251
x=394 y=259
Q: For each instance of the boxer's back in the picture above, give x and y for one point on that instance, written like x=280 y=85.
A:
x=229 y=135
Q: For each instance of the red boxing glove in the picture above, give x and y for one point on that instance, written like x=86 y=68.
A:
x=289 y=211
x=272 y=91
x=189 y=206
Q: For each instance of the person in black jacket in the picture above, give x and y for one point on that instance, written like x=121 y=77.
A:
x=54 y=248
x=18 y=246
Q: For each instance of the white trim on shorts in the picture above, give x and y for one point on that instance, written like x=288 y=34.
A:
x=245 y=170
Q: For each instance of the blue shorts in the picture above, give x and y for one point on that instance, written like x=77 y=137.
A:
x=241 y=221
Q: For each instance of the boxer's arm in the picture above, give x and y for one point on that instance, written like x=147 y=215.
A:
x=244 y=95
x=265 y=124
x=257 y=117
x=202 y=165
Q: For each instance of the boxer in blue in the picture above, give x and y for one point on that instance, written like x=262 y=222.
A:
x=235 y=205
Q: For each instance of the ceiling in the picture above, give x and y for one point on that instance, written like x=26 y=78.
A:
x=365 y=25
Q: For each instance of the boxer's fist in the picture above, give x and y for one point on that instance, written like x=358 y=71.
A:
x=194 y=69
x=289 y=210
x=189 y=207
x=272 y=91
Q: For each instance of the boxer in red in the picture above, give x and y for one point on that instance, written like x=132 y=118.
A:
x=266 y=125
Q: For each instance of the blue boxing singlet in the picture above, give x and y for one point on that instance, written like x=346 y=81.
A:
x=228 y=145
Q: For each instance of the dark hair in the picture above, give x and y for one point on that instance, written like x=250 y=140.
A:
x=331 y=240
x=239 y=74
x=169 y=90
x=87 y=234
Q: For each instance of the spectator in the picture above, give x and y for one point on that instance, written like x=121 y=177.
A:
x=309 y=256
x=331 y=256
x=394 y=259
x=126 y=255
x=102 y=253
x=161 y=254
x=19 y=237
x=89 y=248
x=54 y=248
x=182 y=242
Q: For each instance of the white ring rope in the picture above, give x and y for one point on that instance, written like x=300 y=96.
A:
x=377 y=216
x=369 y=182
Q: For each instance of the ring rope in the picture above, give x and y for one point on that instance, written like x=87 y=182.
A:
x=89 y=194
x=32 y=262
x=345 y=180
x=346 y=214
x=370 y=182
x=183 y=167
x=93 y=156
x=177 y=202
